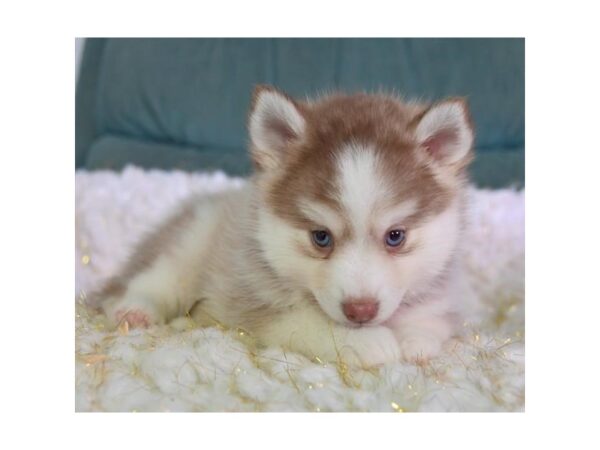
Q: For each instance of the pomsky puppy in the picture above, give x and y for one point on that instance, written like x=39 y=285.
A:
x=344 y=243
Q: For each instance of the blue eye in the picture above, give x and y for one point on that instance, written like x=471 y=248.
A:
x=321 y=238
x=395 y=237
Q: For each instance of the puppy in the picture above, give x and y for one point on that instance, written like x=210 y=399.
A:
x=345 y=242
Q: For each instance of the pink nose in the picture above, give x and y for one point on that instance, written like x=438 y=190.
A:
x=360 y=310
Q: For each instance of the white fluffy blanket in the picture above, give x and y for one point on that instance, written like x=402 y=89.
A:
x=180 y=367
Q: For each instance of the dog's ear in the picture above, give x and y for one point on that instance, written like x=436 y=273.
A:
x=275 y=121
x=445 y=132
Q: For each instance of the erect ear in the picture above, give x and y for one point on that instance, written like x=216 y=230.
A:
x=275 y=121
x=445 y=132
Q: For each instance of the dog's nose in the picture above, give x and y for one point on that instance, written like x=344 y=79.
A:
x=360 y=310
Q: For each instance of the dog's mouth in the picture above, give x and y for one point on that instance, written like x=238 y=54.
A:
x=372 y=323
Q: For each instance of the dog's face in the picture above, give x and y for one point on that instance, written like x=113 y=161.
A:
x=361 y=195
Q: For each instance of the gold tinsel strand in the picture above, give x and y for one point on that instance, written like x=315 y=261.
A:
x=396 y=407
x=123 y=328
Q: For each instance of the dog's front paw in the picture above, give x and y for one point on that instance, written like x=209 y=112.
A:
x=416 y=347
x=137 y=313
x=370 y=346
x=136 y=318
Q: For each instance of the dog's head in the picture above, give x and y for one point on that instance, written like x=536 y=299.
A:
x=361 y=195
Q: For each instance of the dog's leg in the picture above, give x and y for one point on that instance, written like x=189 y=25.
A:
x=422 y=329
x=307 y=330
x=153 y=296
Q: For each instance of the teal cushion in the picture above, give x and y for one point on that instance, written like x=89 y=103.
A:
x=500 y=167
x=193 y=94
x=116 y=152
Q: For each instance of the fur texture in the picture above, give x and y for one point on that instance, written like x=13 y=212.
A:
x=354 y=168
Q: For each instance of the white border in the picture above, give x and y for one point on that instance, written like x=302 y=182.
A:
x=562 y=223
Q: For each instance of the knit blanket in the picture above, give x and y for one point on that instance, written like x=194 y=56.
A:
x=182 y=367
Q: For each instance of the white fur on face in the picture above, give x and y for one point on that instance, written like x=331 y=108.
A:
x=361 y=185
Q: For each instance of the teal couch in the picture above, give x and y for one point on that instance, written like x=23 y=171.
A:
x=182 y=103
